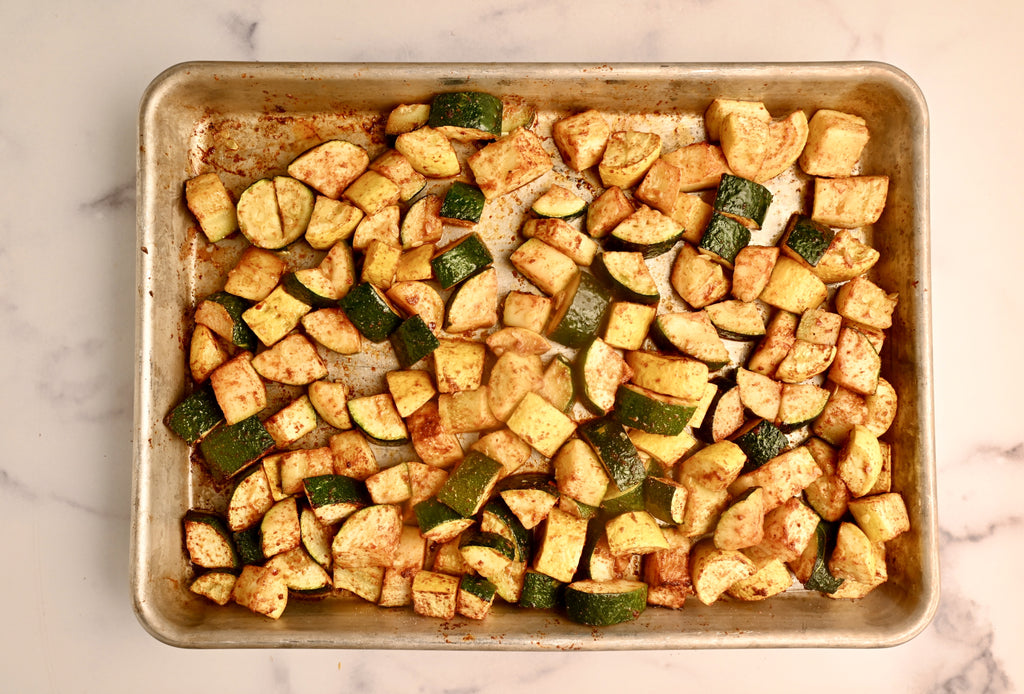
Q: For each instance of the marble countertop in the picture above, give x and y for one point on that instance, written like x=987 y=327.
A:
x=68 y=112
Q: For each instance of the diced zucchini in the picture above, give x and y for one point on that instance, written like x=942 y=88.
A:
x=331 y=221
x=473 y=304
x=512 y=377
x=759 y=394
x=302 y=574
x=250 y=499
x=634 y=532
x=330 y=167
x=743 y=200
x=627 y=276
x=835 y=141
x=396 y=167
x=540 y=591
x=745 y=142
x=714 y=467
x=863 y=301
x=557 y=386
x=787 y=138
x=497 y=517
x=652 y=412
x=459 y=365
x=800 y=404
x=782 y=477
x=603 y=603
x=615 y=450
x=530 y=496
x=196 y=415
x=701 y=163
x=646 y=231
x=845 y=259
x=211 y=204
x=205 y=353
x=414 y=264
x=819 y=577
x=228 y=449
x=564 y=238
x=463 y=204
x=581 y=139
x=559 y=203
x=725 y=415
x=540 y=424
x=723 y=238
x=779 y=338
x=275 y=316
x=794 y=288
x=429 y=152
x=435 y=594
x=665 y=499
x=666 y=450
x=293 y=361
x=368 y=537
x=752 y=268
x=608 y=211
x=849 y=202
x=412 y=341
x=391 y=485
x=679 y=377
x=760 y=441
x=856 y=366
x=509 y=162
x=371 y=312
x=699 y=280
x=882 y=517
x=627 y=324
x=334 y=497
x=439 y=522
x=505 y=447
x=736 y=320
x=806 y=239
x=406 y=118
x=460 y=259
x=208 y=540
x=331 y=328
x=470 y=484
x=262 y=590
x=516 y=112
x=546 y=267
x=384 y=225
x=421 y=299
x=598 y=373
x=377 y=417
x=660 y=186
x=741 y=525
x=466 y=116
x=562 y=538
x=380 y=261
x=627 y=156
x=279 y=528
x=328 y=398
x=804 y=360
x=222 y=313
x=526 y=310
x=476 y=595
x=692 y=334
x=578 y=311
x=214 y=585
x=713 y=570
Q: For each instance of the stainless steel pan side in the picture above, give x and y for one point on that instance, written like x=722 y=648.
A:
x=249 y=119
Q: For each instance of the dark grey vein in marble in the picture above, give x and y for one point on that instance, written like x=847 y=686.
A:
x=983 y=672
x=243 y=29
x=118 y=198
x=15 y=487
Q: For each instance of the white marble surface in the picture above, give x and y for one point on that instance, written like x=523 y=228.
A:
x=68 y=103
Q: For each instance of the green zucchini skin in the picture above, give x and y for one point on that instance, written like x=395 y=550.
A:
x=370 y=312
x=293 y=284
x=661 y=499
x=324 y=490
x=808 y=239
x=522 y=538
x=724 y=237
x=477 y=538
x=463 y=204
x=615 y=450
x=242 y=335
x=249 y=545
x=413 y=340
x=587 y=305
x=196 y=415
x=605 y=609
x=469 y=110
x=228 y=449
x=743 y=198
x=821 y=578
x=760 y=441
x=540 y=591
x=460 y=259
x=478 y=586
x=621 y=287
x=642 y=409
x=469 y=483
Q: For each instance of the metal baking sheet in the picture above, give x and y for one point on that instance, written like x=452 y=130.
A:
x=247 y=120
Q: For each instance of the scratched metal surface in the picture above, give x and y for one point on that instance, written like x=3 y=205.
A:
x=246 y=121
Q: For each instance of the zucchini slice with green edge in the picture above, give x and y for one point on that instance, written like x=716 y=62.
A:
x=249 y=545
x=578 y=311
x=646 y=231
x=557 y=386
x=371 y=312
x=743 y=200
x=439 y=522
x=473 y=303
x=806 y=239
x=208 y=540
x=559 y=203
x=335 y=497
x=821 y=578
x=378 y=418
x=801 y=403
x=311 y=286
x=470 y=485
x=761 y=441
x=460 y=259
x=693 y=334
x=487 y=553
x=627 y=277
x=615 y=450
x=725 y=414
x=665 y=499
x=497 y=517
x=463 y=204
x=517 y=112
x=476 y=595
x=222 y=313
x=540 y=591
x=603 y=603
x=466 y=116
x=599 y=371
x=196 y=415
x=652 y=412
x=723 y=238
x=413 y=340
x=230 y=448
x=530 y=496
x=618 y=501
x=736 y=320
